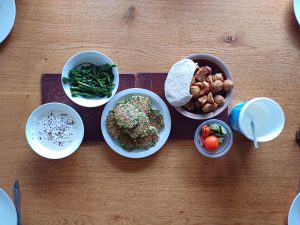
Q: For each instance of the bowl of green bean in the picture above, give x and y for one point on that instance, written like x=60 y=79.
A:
x=90 y=78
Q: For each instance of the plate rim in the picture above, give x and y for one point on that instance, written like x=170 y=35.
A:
x=109 y=106
x=12 y=21
x=12 y=206
x=296 y=12
x=81 y=131
x=297 y=198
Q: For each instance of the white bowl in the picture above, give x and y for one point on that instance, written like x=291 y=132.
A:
x=296 y=4
x=37 y=130
x=294 y=212
x=218 y=66
x=7 y=17
x=157 y=103
x=96 y=58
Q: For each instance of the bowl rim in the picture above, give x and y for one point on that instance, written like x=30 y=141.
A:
x=296 y=199
x=199 y=147
x=10 y=15
x=296 y=7
x=58 y=106
x=101 y=101
x=228 y=75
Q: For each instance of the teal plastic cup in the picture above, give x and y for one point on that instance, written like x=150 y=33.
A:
x=267 y=115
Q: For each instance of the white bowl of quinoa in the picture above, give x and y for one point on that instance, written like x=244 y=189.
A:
x=54 y=130
x=136 y=123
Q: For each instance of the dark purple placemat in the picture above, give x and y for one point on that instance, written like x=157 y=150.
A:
x=52 y=91
x=182 y=127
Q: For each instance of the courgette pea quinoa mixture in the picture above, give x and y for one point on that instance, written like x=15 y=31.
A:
x=134 y=123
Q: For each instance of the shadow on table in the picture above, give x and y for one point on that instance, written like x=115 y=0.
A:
x=228 y=172
x=130 y=165
x=48 y=175
x=243 y=147
x=235 y=163
x=292 y=26
x=6 y=42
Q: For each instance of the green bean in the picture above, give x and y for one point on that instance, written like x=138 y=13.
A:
x=91 y=80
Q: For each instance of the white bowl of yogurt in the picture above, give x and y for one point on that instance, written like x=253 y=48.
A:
x=54 y=130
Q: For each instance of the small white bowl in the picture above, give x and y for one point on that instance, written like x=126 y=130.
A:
x=96 y=58
x=157 y=103
x=223 y=148
x=37 y=130
x=294 y=212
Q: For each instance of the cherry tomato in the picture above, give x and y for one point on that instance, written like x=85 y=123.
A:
x=211 y=143
x=205 y=131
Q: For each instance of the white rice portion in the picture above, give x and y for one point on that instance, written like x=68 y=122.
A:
x=178 y=82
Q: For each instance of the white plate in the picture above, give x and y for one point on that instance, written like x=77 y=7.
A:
x=297 y=10
x=157 y=103
x=52 y=149
x=8 y=213
x=294 y=213
x=7 y=17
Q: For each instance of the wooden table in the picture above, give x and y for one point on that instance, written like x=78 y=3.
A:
x=258 y=40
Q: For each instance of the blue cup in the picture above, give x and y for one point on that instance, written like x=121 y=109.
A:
x=266 y=114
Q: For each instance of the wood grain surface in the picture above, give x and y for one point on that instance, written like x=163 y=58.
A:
x=259 y=40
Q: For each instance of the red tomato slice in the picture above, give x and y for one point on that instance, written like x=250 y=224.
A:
x=205 y=131
x=211 y=143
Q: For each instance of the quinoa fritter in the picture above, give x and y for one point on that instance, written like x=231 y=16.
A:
x=141 y=102
x=127 y=142
x=149 y=140
x=156 y=119
x=134 y=123
x=140 y=130
x=126 y=114
x=112 y=126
